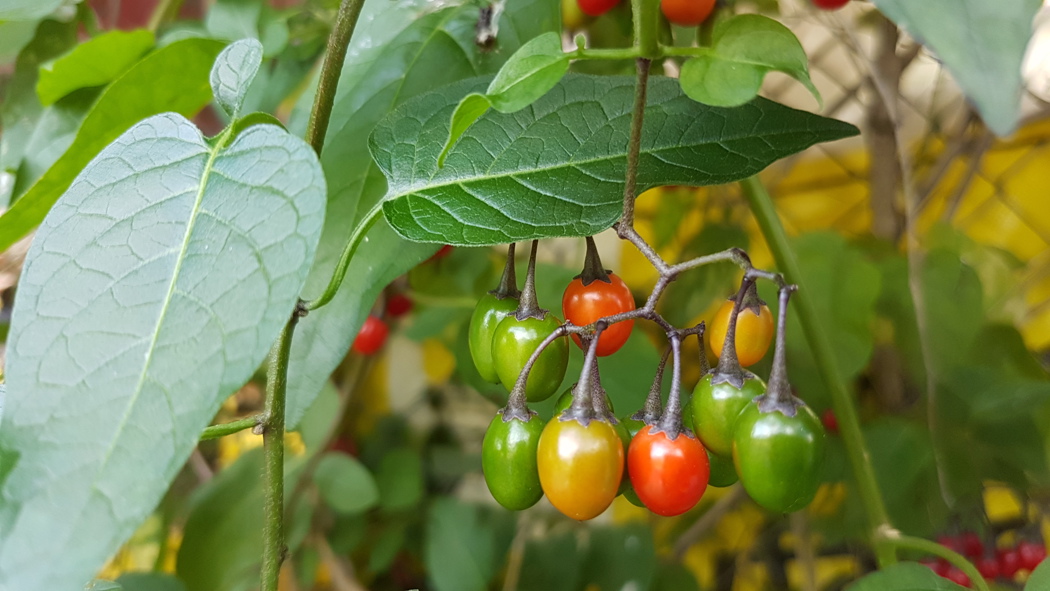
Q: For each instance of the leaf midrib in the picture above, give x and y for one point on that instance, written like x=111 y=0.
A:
x=416 y=188
x=212 y=155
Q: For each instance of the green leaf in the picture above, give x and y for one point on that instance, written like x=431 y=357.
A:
x=438 y=48
x=529 y=74
x=345 y=484
x=386 y=547
x=234 y=19
x=14 y=35
x=27 y=10
x=400 y=480
x=95 y=62
x=233 y=72
x=3 y=394
x=557 y=168
x=174 y=78
x=620 y=558
x=551 y=563
x=152 y=291
x=459 y=550
x=222 y=541
x=981 y=43
x=744 y=49
x=904 y=576
x=150 y=582
x=1040 y=577
x=100 y=585
x=675 y=577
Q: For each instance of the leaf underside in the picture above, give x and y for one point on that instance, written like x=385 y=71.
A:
x=557 y=167
x=154 y=289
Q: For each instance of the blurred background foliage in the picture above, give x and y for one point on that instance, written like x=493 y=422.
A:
x=384 y=485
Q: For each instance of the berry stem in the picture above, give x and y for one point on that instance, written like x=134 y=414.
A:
x=671 y=420
x=650 y=413
x=528 y=306
x=508 y=283
x=592 y=266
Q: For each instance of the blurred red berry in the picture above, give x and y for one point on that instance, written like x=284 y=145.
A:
x=441 y=253
x=1009 y=562
x=988 y=566
x=1030 y=554
x=831 y=422
x=939 y=566
x=372 y=336
x=830 y=4
x=950 y=542
x=344 y=444
x=957 y=576
x=971 y=544
x=398 y=305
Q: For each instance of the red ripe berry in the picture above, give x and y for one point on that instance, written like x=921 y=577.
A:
x=398 y=305
x=441 y=253
x=831 y=422
x=596 y=7
x=957 y=576
x=950 y=542
x=988 y=566
x=938 y=566
x=971 y=544
x=372 y=336
x=830 y=4
x=1009 y=562
x=1030 y=554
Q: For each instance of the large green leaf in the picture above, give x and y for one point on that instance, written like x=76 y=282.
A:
x=345 y=484
x=557 y=168
x=92 y=63
x=174 y=78
x=25 y=10
x=904 y=576
x=153 y=290
x=982 y=43
x=392 y=58
x=150 y=582
x=461 y=550
x=222 y=541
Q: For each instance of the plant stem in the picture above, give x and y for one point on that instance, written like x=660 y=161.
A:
x=931 y=547
x=224 y=429
x=646 y=24
x=339 y=273
x=273 y=450
x=161 y=13
x=634 y=146
x=849 y=424
x=335 y=55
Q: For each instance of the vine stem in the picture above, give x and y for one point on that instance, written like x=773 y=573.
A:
x=335 y=55
x=224 y=429
x=273 y=452
x=845 y=411
x=896 y=540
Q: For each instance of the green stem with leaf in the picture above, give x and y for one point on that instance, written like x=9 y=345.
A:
x=845 y=411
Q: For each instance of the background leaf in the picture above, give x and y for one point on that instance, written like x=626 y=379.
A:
x=1040 y=577
x=153 y=290
x=744 y=49
x=95 y=62
x=233 y=72
x=982 y=43
x=438 y=48
x=24 y=10
x=174 y=78
x=400 y=480
x=345 y=484
x=904 y=576
x=461 y=550
x=150 y=582
x=556 y=169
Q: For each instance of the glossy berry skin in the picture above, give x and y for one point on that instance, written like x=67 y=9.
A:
x=754 y=332
x=398 y=305
x=488 y=313
x=513 y=343
x=580 y=466
x=372 y=336
x=723 y=473
x=715 y=409
x=508 y=459
x=687 y=13
x=988 y=566
x=779 y=458
x=957 y=576
x=1031 y=554
x=597 y=7
x=668 y=475
x=1009 y=562
x=830 y=4
x=584 y=304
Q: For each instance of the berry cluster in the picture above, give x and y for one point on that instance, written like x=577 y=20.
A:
x=585 y=456
x=993 y=563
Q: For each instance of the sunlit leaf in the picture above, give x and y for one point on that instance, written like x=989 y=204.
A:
x=93 y=63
